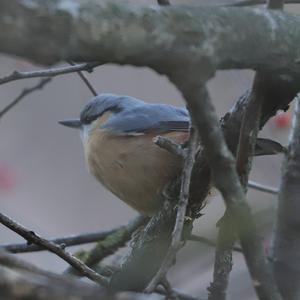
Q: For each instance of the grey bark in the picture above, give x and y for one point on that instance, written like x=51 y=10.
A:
x=158 y=37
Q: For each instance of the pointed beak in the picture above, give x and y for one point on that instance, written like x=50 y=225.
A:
x=71 y=123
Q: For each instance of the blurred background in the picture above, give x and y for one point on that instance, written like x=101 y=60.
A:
x=45 y=186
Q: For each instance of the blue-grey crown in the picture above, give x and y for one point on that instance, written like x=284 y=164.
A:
x=106 y=102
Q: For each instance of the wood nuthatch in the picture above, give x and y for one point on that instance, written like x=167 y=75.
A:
x=117 y=133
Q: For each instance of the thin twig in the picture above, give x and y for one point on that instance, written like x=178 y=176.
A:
x=169 y=145
x=75 y=239
x=209 y=242
x=17 y=75
x=84 y=79
x=24 y=93
x=12 y=261
x=31 y=237
x=181 y=212
x=263 y=188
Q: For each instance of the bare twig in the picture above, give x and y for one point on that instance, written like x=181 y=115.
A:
x=263 y=188
x=31 y=237
x=24 y=93
x=84 y=79
x=12 y=261
x=176 y=243
x=169 y=145
x=52 y=72
x=75 y=239
x=209 y=242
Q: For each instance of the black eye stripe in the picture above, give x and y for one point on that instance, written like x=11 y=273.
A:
x=98 y=106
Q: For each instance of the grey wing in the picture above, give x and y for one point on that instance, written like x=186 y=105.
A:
x=147 y=118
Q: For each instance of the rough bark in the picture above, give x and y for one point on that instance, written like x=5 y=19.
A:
x=158 y=37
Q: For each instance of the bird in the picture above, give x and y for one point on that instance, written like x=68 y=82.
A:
x=117 y=133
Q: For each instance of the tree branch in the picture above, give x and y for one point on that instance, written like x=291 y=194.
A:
x=17 y=75
x=209 y=242
x=169 y=145
x=31 y=237
x=76 y=239
x=11 y=261
x=85 y=80
x=263 y=188
x=177 y=243
x=245 y=152
x=227 y=181
x=96 y=41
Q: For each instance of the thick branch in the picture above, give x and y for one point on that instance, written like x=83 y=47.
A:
x=150 y=36
x=227 y=181
x=245 y=152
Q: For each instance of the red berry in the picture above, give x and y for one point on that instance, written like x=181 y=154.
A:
x=282 y=120
x=7 y=177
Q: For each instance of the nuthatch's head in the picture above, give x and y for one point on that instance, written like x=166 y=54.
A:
x=105 y=104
